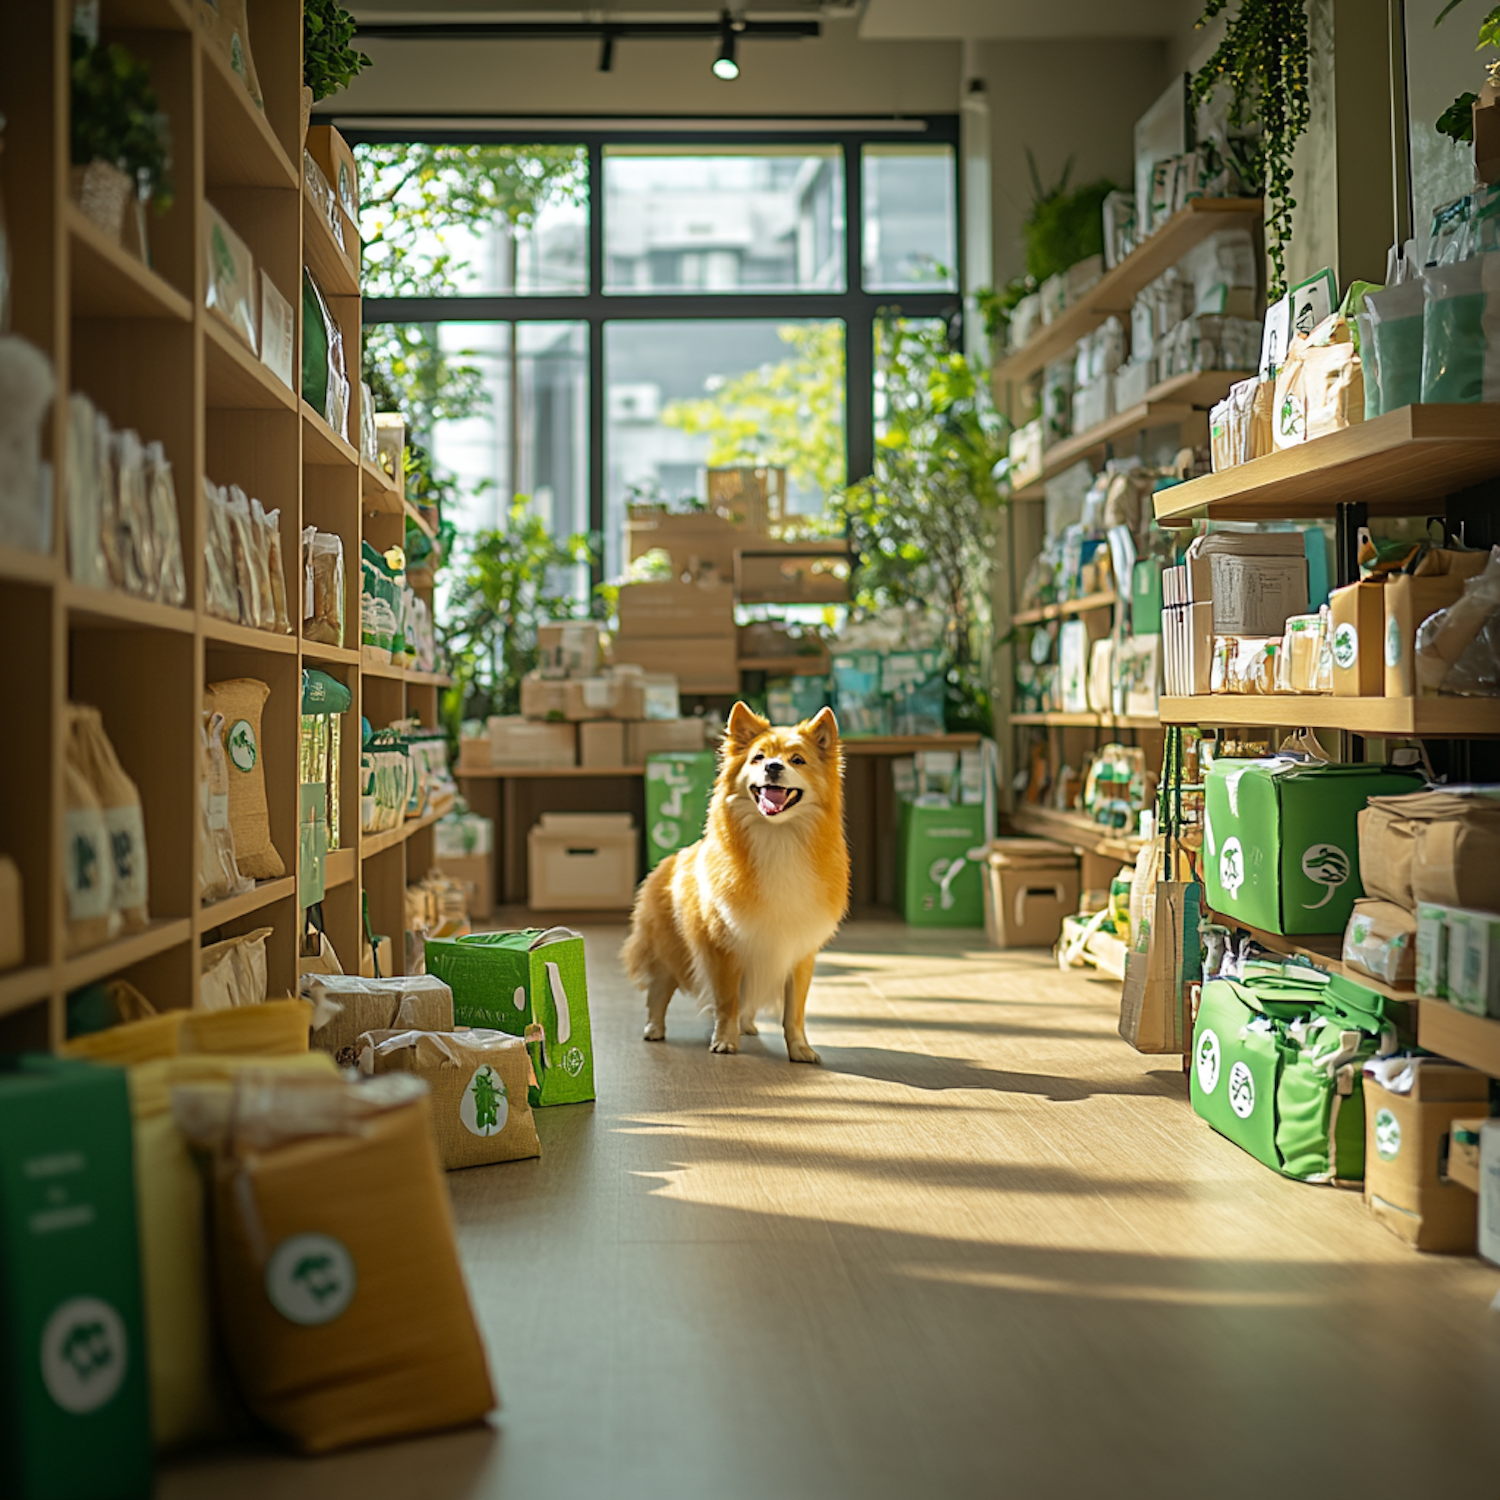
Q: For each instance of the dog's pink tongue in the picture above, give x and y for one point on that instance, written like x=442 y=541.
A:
x=772 y=799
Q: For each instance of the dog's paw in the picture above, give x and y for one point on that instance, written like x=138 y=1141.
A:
x=656 y=1031
x=801 y=1052
x=723 y=1044
x=748 y=1026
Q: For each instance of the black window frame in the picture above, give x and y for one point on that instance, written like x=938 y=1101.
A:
x=857 y=308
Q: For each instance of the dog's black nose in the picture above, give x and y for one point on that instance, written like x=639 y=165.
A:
x=774 y=768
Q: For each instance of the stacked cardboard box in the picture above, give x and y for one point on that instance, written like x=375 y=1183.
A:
x=686 y=628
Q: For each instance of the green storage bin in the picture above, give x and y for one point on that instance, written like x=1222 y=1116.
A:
x=1281 y=844
x=679 y=787
x=75 y=1421
x=530 y=983
x=940 y=885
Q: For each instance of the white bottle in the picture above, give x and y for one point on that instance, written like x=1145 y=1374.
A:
x=1489 y=1191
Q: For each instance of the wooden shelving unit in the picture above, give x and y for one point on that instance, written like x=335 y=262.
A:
x=139 y=341
x=1077 y=830
x=1067 y=607
x=1472 y=1040
x=1113 y=294
x=1375 y=718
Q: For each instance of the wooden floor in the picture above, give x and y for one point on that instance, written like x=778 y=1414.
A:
x=984 y=1250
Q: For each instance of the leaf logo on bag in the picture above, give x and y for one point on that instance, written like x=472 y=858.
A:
x=310 y=1279
x=1207 y=1060
x=84 y=1354
x=1387 y=1135
x=485 y=1105
x=1345 y=646
x=573 y=1061
x=1393 y=642
x=1241 y=1091
x=240 y=743
x=1232 y=867
x=1326 y=865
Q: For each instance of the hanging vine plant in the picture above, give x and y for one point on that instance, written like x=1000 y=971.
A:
x=1263 y=60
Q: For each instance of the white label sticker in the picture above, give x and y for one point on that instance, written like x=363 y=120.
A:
x=1393 y=642
x=1345 y=646
x=1232 y=867
x=1206 y=1057
x=1387 y=1135
x=485 y=1106
x=127 y=847
x=88 y=869
x=1241 y=1091
x=310 y=1279
x=84 y=1354
x=241 y=745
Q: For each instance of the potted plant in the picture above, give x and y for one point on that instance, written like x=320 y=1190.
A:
x=329 y=63
x=120 y=143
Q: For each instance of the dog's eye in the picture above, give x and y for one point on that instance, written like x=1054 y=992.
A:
x=798 y=761
x=756 y=759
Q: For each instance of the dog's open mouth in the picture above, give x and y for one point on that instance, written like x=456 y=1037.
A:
x=772 y=800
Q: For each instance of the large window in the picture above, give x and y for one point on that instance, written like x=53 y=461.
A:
x=593 y=320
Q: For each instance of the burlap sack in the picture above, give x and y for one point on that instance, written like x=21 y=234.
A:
x=341 y=1298
x=478 y=1081
x=1386 y=843
x=355 y=1004
x=88 y=868
x=1441 y=845
x=241 y=700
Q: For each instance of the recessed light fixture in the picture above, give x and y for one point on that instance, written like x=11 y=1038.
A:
x=725 y=66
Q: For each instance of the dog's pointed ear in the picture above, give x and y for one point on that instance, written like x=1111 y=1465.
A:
x=824 y=729
x=744 y=726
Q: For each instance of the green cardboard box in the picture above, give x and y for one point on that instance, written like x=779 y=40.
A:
x=940 y=885
x=1432 y=950
x=1281 y=843
x=1145 y=597
x=1474 y=961
x=679 y=786
x=529 y=983
x=75 y=1418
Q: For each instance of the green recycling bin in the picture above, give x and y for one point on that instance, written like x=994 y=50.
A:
x=75 y=1421
x=529 y=983
x=679 y=787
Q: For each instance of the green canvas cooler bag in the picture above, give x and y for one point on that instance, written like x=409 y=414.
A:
x=75 y=1421
x=679 y=786
x=1238 y=1052
x=530 y=983
x=1280 y=840
x=940 y=884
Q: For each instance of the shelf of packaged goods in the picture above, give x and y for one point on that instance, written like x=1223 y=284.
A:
x=1375 y=718
x=785 y=666
x=325 y=257
x=1080 y=606
x=338 y=655
x=247 y=637
x=545 y=773
x=106 y=281
x=1397 y=464
x=234 y=378
x=1076 y=830
x=1088 y=720
x=1455 y=1034
x=22 y=987
x=321 y=444
x=1115 y=291
x=20 y=566
x=340 y=868
x=239 y=147
x=378 y=843
x=908 y=744
x=379 y=491
x=132 y=948
x=263 y=893
x=105 y=609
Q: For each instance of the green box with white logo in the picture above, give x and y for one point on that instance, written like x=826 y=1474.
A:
x=939 y=854
x=75 y=1421
x=679 y=786
x=529 y=983
x=1281 y=841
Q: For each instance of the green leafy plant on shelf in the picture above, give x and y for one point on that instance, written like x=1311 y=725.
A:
x=1457 y=121
x=329 y=63
x=115 y=117
x=1263 y=62
x=922 y=526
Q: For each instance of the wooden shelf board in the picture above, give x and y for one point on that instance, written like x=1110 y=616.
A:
x=785 y=666
x=427 y=679
x=331 y=265
x=1114 y=293
x=1087 y=721
x=1455 y=1034
x=908 y=744
x=373 y=668
x=107 y=281
x=156 y=938
x=104 y=608
x=341 y=867
x=18 y=566
x=547 y=773
x=1079 y=606
x=247 y=637
x=321 y=444
x=239 y=147
x=1393 y=718
x=1077 y=830
x=340 y=655
x=378 y=843
x=1399 y=463
x=771 y=596
x=22 y=987
x=379 y=491
x=265 y=893
x=234 y=378
x=418 y=520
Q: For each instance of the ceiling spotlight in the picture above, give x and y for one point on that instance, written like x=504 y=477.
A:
x=607 y=52
x=725 y=66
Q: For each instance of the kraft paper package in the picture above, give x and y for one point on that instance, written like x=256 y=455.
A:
x=337 y=1280
x=1320 y=386
x=1381 y=941
x=1441 y=845
x=120 y=804
x=241 y=700
x=350 y=1005
x=479 y=1081
x=1458 y=648
x=73 y=1352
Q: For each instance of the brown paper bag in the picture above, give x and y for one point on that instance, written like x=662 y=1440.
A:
x=352 y=1004
x=123 y=819
x=241 y=701
x=88 y=868
x=479 y=1081
x=1163 y=962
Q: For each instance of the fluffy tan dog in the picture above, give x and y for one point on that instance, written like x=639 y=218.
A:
x=738 y=918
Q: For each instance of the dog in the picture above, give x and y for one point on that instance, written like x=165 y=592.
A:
x=739 y=918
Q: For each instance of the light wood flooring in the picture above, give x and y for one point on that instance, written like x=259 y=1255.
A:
x=984 y=1250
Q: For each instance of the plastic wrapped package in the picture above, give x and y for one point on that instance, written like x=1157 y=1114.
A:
x=136 y=542
x=322 y=196
x=369 y=444
x=1458 y=648
x=1364 y=339
x=322 y=587
x=262 y=532
x=1461 y=330
x=247 y=574
x=229 y=277
x=221 y=593
x=170 y=577
x=1396 y=318
x=282 y=619
x=325 y=375
x=27 y=386
x=87 y=563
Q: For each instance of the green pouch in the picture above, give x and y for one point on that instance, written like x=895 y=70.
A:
x=315 y=330
x=75 y=1419
x=531 y=983
x=1238 y=1053
x=679 y=786
x=312 y=844
x=1320 y=1112
x=940 y=885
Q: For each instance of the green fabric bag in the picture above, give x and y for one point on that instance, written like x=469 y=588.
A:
x=679 y=786
x=530 y=983
x=939 y=884
x=75 y=1420
x=1238 y=1052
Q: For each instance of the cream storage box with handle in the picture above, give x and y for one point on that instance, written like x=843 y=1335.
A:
x=583 y=862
